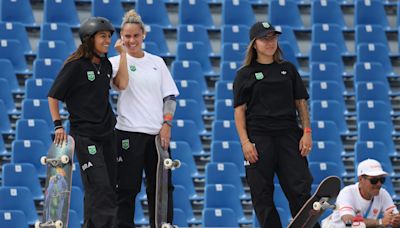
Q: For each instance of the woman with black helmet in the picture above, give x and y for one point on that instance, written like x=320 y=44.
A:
x=83 y=84
x=268 y=95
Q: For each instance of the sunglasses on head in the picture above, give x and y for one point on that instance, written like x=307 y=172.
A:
x=374 y=180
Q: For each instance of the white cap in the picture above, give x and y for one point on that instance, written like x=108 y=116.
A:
x=370 y=167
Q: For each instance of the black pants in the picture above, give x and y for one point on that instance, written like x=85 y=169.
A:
x=137 y=151
x=97 y=160
x=280 y=155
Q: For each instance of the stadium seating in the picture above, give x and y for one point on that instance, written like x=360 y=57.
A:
x=190 y=110
x=195 y=12
x=370 y=12
x=375 y=52
x=181 y=201
x=61 y=11
x=12 y=50
x=195 y=33
x=328 y=71
x=219 y=217
x=285 y=12
x=228 y=152
x=6 y=97
x=181 y=150
x=17 y=31
x=186 y=130
x=112 y=10
x=189 y=70
x=180 y=218
x=8 y=73
x=328 y=12
x=153 y=12
x=18 y=11
x=329 y=110
x=182 y=177
x=29 y=151
x=155 y=33
x=46 y=68
x=19 y=198
x=237 y=13
x=13 y=218
x=235 y=34
x=5 y=125
x=58 y=31
x=329 y=33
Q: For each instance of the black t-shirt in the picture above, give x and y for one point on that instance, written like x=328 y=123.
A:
x=86 y=94
x=269 y=91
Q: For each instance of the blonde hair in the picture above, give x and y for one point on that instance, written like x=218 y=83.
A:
x=251 y=54
x=132 y=17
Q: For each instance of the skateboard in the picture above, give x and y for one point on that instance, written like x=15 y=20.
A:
x=164 y=165
x=323 y=198
x=59 y=162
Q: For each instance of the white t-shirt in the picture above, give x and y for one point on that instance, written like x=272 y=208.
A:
x=350 y=201
x=140 y=105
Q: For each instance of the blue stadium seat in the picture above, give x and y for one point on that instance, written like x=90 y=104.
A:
x=285 y=12
x=186 y=130
x=46 y=68
x=195 y=13
x=37 y=88
x=189 y=70
x=6 y=96
x=330 y=33
x=61 y=11
x=8 y=73
x=16 y=30
x=224 y=130
x=5 y=124
x=228 y=151
x=225 y=173
x=370 y=72
x=151 y=47
x=375 y=53
x=233 y=52
x=18 y=11
x=37 y=109
x=370 y=34
x=153 y=12
x=288 y=35
x=195 y=51
x=234 y=34
x=155 y=33
x=181 y=201
x=13 y=218
x=181 y=150
x=328 y=151
x=190 y=89
x=12 y=50
x=33 y=130
x=76 y=176
x=3 y=150
x=280 y=199
x=228 y=70
x=76 y=202
x=22 y=175
x=182 y=177
x=195 y=33
x=321 y=170
x=329 y=110
x=112 y=10
x=370 y=12
x=326 y=52
x=19 y=198
x=224 y=109
x=328 y=12
x=52 y=49
x=373 y=91
x=29 y=151
x=58 y=31
x=189 y=109
x=377 y=131
x=328 y=90
x=180 y=218
x=224 y=196
x=375 y=111
x=219 y=217
x=327 y=131
x=139 y=218
x=73 y=219
x=237 y=13
x=290 y=55
x=328 y=71
x=223 y=90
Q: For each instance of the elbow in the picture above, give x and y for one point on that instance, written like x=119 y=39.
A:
x=122 y=85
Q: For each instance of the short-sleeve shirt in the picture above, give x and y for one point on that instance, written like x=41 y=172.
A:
x=140 y=105
x=269 y=92
x=86 y=94
x=350 y=201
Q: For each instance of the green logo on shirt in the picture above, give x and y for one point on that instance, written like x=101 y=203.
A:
x=132 y=68
x=92 y=149
x=259 y=75
x=125 y=144
x=90 y=75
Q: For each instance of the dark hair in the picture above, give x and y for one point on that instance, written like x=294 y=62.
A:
x=85 y=50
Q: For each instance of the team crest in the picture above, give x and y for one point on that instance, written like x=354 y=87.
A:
x=91 y=76
x=92 y=149
x=132 y=68
x=259 y=75
x=125 y=144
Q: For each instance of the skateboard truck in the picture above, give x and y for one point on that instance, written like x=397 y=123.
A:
x=172 y=164
x=56 y=224
x=323 y=204
x=54 y=161
x=167 y=225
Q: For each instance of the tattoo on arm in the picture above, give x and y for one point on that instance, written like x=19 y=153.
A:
x=304 y=115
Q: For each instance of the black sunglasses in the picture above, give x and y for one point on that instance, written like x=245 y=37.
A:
x=374 y=180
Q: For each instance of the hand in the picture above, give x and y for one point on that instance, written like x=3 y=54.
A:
x=165 y=136
x=396 y=220
x=250 y=152
x=119 y=46
x=305 y=144
x=60 y=136
x=388 y=218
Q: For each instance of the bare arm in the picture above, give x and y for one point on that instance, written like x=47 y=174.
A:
x=60 y=135
x=249 y=151
x=121 y=79
x=306 y=141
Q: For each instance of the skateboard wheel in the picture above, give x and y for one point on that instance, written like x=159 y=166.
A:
x=317 y=206
x=59 y=224
x=166 y=225
x=168 y=163
x=37 y=224
x=64 y=159
x=177 y=163
x=43 y=160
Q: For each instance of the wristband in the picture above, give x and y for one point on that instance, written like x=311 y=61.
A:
x=57 y=124
x=307 y=130
x=168 y=122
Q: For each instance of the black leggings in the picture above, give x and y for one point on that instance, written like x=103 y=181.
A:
x=137 y=152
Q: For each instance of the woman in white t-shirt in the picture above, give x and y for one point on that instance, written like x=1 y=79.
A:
x=145 y=109
x=367 y=198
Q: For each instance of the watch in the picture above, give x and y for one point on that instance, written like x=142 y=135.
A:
x=168 y=122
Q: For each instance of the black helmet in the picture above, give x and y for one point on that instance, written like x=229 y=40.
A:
x=94 y=24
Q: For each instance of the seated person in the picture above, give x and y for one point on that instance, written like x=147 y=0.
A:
x=367 y=198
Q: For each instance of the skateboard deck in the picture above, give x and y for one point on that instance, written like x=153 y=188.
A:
x=59 y=162
x=164 y=164
x=323 y=198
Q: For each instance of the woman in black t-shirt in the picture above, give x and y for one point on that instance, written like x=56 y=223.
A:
x=268 y=94
x=83 y=84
